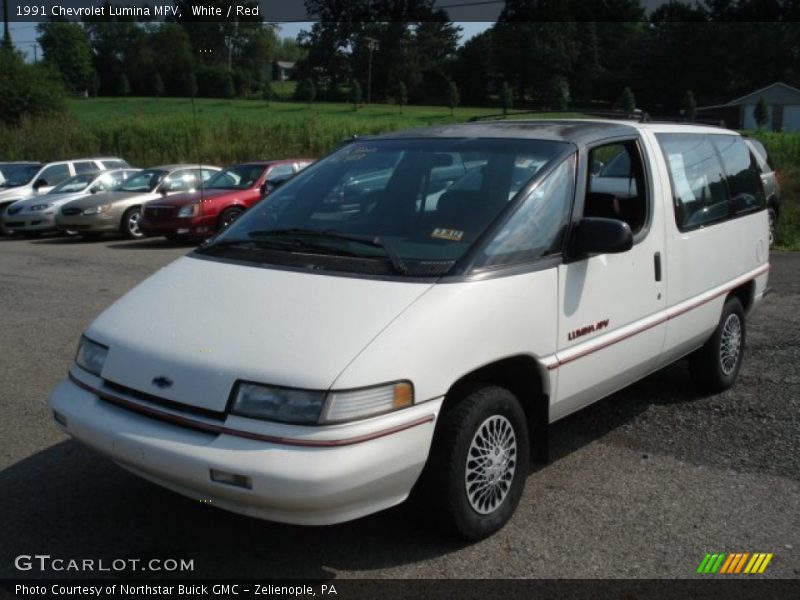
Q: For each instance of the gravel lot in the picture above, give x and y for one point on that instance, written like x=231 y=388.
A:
x=642 y=484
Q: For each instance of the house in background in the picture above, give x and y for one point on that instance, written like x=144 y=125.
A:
x=282 y=70
x=783 y=109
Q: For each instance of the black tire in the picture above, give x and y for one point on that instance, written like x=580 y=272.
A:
x=459 y=506
x=130 y=224
x=172 y=237
x=90 y=237
x=228 y=216
x=773 y=226
x=714 y=367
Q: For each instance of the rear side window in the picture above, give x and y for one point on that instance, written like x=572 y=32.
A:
x=713 y=178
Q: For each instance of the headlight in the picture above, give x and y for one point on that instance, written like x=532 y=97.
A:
x=96 y=210
x=91 y=356
x=285 y=405
x=38 y=207
x=190 y=210
x=309 y=407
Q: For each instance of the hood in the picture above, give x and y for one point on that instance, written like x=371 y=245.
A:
x=205 y=324
x=89 y=200
x=185 y=198
x=54 y=199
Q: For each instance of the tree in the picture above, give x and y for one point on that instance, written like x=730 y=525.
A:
x=761 y=113
x=27 y=90
x=266 y=91
x=94 y=85
x=506 y=98
x=123 y=85
x=66 y=47
x=627 y=101
x=453 y=97
x=306 y=90
x=401 y=95
x=558 y=94
x=158 y=85
x=689 y=106
x=355 y=94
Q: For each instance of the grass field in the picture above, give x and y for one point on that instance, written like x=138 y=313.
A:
x=150 y=131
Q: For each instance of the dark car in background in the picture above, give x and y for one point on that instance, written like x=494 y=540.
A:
x=772 y=188
x=201 y=213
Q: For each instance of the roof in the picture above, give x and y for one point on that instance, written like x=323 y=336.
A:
x=575 y=131
x=777 y=91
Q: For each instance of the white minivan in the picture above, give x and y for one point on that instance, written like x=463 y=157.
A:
x=413 y=311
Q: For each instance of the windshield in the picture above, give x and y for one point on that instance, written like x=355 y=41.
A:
x=143 y=182
x=240 y=177
x=74 y=184
x=410 y=205
x=20 y=175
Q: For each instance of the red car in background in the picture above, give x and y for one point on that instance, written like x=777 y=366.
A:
x=225 y=196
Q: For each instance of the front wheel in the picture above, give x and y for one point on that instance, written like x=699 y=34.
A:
x=478 y=463
x=715 y=366
x=228 y=216
x=130 y=224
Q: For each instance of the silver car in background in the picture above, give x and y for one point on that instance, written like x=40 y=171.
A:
x=37 y=214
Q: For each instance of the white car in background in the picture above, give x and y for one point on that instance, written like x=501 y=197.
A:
x=37 y=214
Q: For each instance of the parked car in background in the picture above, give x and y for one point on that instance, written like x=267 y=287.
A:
x=225 y=196
x=37 y=214
x=119 y=210
x=6 y=168
x=40 y=178
x=772 y=188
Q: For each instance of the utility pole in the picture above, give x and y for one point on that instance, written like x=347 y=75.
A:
x=372 y=44
x=6 y=30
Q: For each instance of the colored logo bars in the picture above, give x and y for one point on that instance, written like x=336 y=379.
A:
x=734 y=563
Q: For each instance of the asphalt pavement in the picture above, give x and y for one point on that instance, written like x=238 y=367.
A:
x=642 y=484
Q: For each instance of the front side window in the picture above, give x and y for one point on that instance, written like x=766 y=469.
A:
x=143 y=182
x=240 y=177
x=54 y=174
x=617 y=189
x=409 y=206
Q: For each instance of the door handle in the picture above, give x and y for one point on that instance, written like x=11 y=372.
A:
x=657 y=265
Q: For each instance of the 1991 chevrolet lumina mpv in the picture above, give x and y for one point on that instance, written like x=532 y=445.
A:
x=413 y=311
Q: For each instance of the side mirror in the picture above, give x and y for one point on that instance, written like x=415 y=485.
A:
x=93 y=190
x=596 y=235
x=39 y=183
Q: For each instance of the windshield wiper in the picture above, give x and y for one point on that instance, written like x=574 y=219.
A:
x=375 y=241
x=290 y=244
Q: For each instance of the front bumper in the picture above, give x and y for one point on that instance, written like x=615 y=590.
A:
x=191 y=227
x=24 y=222
x=307 y=485
x=92 y=223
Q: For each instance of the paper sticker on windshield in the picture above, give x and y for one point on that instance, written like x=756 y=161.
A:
x=454 y=235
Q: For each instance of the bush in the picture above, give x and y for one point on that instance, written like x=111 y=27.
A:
x=28 y=90
x=215 y=82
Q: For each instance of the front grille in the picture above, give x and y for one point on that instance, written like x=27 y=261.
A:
x=163 y=402
x=158 y=212
x=13 y=210
x=14 y=223
x=67 y=210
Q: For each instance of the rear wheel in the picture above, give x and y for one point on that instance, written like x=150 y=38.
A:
x=228 y=216
x=130 y=223
x=715 y=366
x=478 y=463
